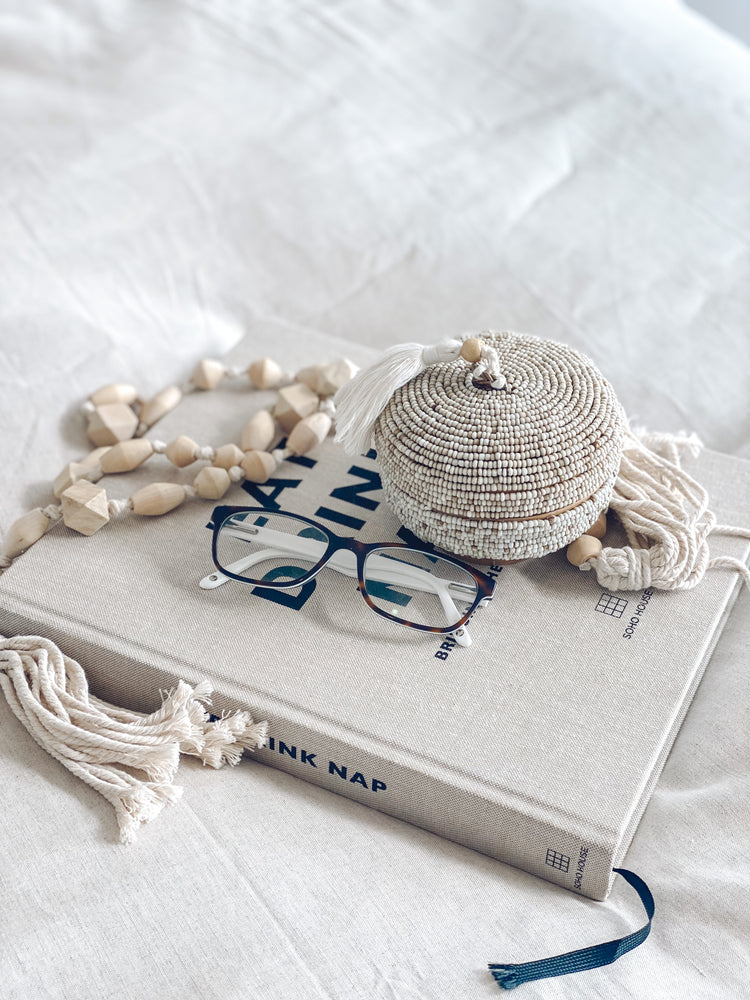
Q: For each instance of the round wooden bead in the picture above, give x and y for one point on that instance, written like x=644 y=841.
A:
x=308 y=433
x=258 y=466
x=181 y=451
x=160 y=404
x=125 y=456
x=116 y=392
x=112 y=422
x=227 y=456
x=24 y=532
x=582 y=549
x=471 y=350
x=207 y=374
x=157 y=498
x=70 y=474
x=264 y=374
x=599 y=528
x=258 y=432
x=212 y=483
x=84 y=507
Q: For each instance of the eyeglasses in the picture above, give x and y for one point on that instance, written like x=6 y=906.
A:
x=408 y=585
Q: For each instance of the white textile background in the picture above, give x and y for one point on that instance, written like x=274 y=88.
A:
x=172 y=174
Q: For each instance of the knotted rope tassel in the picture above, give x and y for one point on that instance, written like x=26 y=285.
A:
x=99 y=743
x=665 y=514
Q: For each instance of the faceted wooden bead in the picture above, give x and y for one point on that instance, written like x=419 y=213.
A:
x=582 y=549
x=160 y=404
x=227 y=456
x=212 y=482
x=258 y=466
x=308 y=433
x=116 y=392
x=181 y=451
x=258 y=432
x=310 y=377
x=471 y=349
x=157 y=498
x=207 y=374
x=70 y=474
x=24 y=532
x=334 y=375
x=93 y=458
x=295 y=402
x=126 y=455
x=84 y=507
x=599 y=528
x=264 y=374
x=111 y=423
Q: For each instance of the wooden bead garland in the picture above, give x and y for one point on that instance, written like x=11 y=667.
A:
x=305 y=414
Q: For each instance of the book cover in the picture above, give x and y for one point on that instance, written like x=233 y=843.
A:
x=538 y=745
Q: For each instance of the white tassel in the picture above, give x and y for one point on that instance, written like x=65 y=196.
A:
x=360 y=402
x=103 y=745
x=665 y=514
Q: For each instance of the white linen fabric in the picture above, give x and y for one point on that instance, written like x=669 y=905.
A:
x=172 y=173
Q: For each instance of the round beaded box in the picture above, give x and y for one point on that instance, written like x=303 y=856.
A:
x=502 y=474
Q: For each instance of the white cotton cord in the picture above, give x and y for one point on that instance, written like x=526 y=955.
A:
x=53 y=511
x=105 y=745
x=236 y=473
x=205 y=452
x=118 y=509
x=362 y=399
x=88 y=408
x=234 y=372
x=159 y=447
x=190 y=492
x=666 y=518
x=280 y=455
x=327 y=406
x=490 y=363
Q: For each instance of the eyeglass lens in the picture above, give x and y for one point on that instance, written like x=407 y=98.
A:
x=268 y=547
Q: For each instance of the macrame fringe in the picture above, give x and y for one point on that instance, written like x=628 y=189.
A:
x=103 y=745
x=360 y=402
x=666 y=518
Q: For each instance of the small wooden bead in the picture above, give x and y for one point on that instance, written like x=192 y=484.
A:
x=207 y=374
x=84 y=507
x=126 y=455
x=212 y=482
x=24 y=532
x=264 y=374
x=599 y=528
x=157 y=498
x=227 y=455
x=471 y=350
x=310 y=377
x=308 y=433
x=181 y=451
x=582 y=549
x=334 y=375
x=295 y=402
x=258 y=432
x=116 y=392
x=93 y=458
x=160 y=404
x=112 y=422
x=70 y=474
x=258 y=466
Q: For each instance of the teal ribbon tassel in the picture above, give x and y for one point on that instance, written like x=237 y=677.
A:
x=509 y=976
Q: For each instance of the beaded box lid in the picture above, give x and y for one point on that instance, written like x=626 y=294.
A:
x=502 y=473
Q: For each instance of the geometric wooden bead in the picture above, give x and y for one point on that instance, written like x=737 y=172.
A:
x=582 y=549
x=24 y=532
x=310 y=377
x=212 y=483
x=112 y=422
x=227 y=456
x=264 y=374
x=117 y=392
x=93 y=458
x=70 y=474
x=207 y=374
x=294 y=402
x=181 y=451
x=258 y=432
x=599 y=528
x=84 y=507
x=308 y=433
x=126 y=455
x=258 y=466
x=157 y=498
x=160 y=404
x=334 y=375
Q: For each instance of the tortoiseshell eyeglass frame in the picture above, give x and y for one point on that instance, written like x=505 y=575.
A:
x=485 y=584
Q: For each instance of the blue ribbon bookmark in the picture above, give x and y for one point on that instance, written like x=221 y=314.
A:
x=510 y=976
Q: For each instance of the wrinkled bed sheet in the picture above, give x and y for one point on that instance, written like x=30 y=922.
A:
x=174 y=174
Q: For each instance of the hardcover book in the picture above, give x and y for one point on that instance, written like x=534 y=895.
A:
x=539 y=744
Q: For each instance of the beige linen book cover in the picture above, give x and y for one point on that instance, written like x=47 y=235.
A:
x=538 y=745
